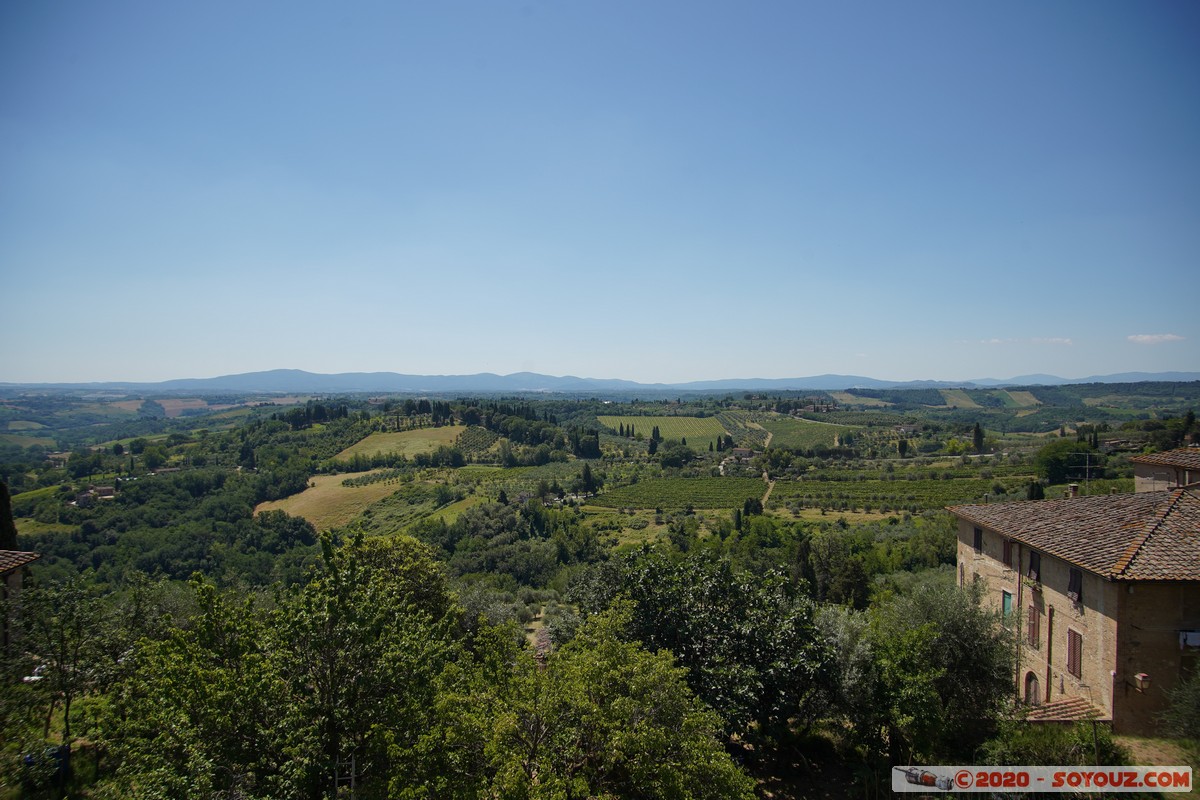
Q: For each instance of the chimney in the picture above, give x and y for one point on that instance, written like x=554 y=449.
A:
x=1072 y=490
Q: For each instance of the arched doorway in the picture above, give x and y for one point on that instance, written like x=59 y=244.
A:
x=1033 y=693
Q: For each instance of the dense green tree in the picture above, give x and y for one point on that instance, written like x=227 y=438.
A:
x=1065 y=459
x=8 y=530
x=62 y=629
x=942 y=673
x=1182 y=717
x=604 y=718
x=338 y=679
x=359 y=648
x=196 y=717
x=747 y=641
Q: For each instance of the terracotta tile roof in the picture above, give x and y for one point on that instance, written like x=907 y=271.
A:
x=1143 y=536
x=15 y=559
x=1185 y=457
x=1069 y=709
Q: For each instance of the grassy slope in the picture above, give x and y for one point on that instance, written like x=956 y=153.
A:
x=800 y=434
x=405 y=443
x=327 y=503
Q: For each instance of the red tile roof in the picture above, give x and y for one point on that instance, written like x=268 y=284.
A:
x=1069 y=709
x=15 y=559
x=1143 y=536
x=1185 y=457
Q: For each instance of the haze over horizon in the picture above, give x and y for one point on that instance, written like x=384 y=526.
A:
x=662 y=192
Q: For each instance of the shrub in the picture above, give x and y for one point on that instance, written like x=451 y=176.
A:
x=1182 y=717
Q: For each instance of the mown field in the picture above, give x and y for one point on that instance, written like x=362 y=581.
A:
x=957 y=398
x=683 y=492
x=327 y=503
x=24 y=425
x=699 y=431
x=405 y=443
x=1021 y=399
x=801 y=434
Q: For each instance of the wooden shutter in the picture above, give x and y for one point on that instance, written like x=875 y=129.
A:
x=1074 y=653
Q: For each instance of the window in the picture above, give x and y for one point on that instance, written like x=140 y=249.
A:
x=1006 y=605
x=1075 y=586
x=1008 y=550
x=1075 y=653
x=1033 y=694
x=962 y=576
x=1035 y=565
x=978 y=540
x=1033 y=628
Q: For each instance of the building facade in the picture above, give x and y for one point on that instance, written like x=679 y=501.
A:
x=1102 y=595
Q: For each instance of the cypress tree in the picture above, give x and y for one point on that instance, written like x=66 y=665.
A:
x=8 y=529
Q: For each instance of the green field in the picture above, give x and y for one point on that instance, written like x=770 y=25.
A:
x=1020 y=399
x=405 y=443
x=24 y=425
x=31 y=527
x=451 y=512
x=683 y=492
x=802 y=434
x=699 y=431
x=26 y=441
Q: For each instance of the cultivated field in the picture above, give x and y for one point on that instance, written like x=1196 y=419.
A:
x=848 y=399
x=1022 y=399
x=802 y=434
x=327 y=503
x=26 y=441
x=957 y=398
x=894 y=495
x=175 y=406
x=405 y=443
x=698 y=431
x=683 y=492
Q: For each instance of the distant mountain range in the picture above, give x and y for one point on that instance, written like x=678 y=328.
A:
x=291 y=381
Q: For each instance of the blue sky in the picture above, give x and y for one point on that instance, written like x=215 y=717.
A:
x=656 y=191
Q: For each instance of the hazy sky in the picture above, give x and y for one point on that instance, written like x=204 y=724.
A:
x=650 y=190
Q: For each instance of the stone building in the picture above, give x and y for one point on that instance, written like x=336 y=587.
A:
x=1102 y=595
x=1167 y=470
x=12 y=571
